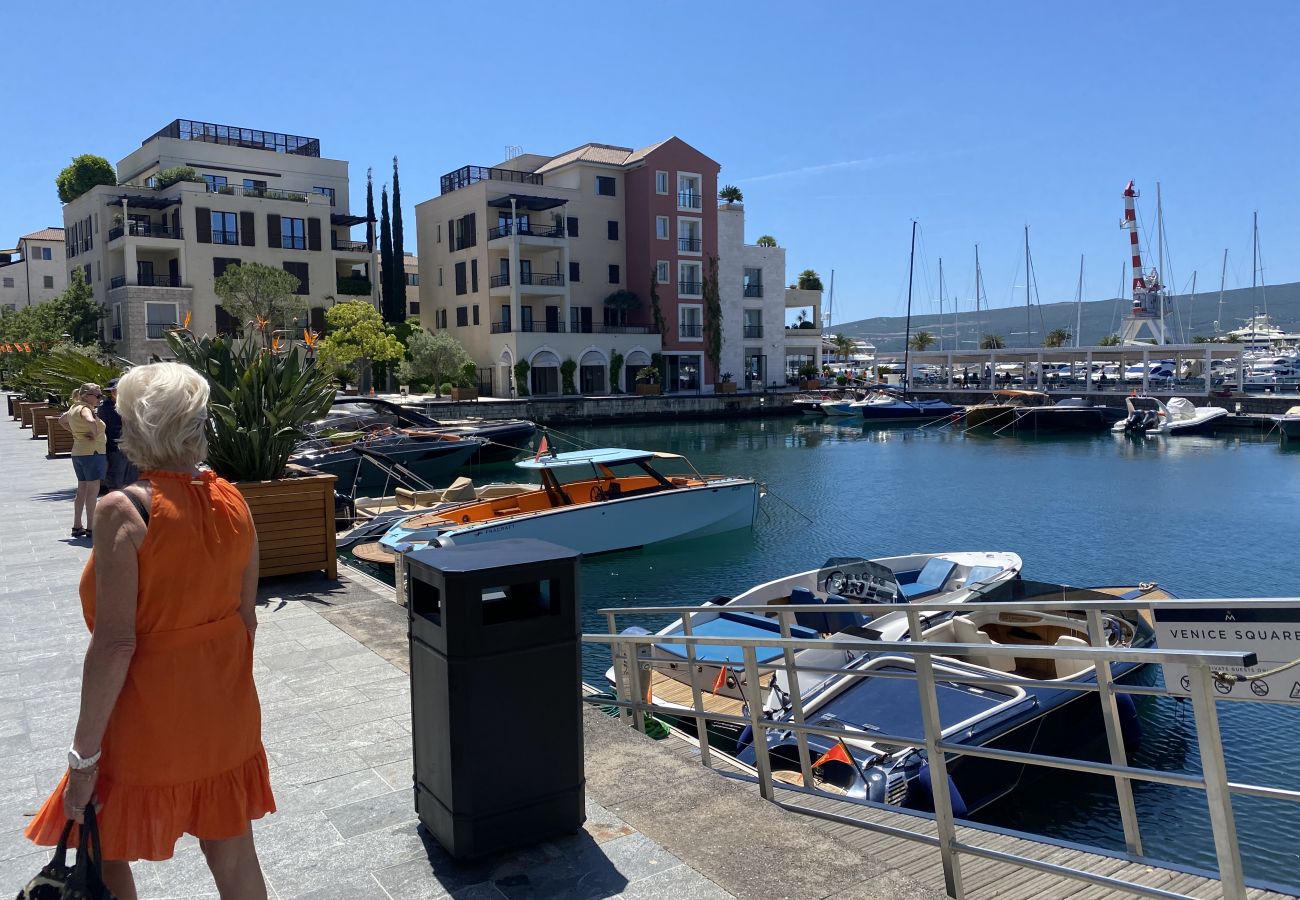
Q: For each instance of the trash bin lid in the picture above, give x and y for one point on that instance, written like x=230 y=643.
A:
x=502 y=554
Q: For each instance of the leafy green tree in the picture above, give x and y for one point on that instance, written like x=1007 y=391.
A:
x=1202 y=339
x=521 y=377
x=622 y=302
x=712 y=313
x=809 y=281
x=843 y=345
x=1110 y=340
x=436 y=357
x=615 y=370
x=766 y=241
x=922 y=340
x=259 y=296
x=370 y=216
x=731 y=194
x=356 y=338
x=567 y=368
x=82 y=174
x=992 y=342
x=1058 y=337
x=72 y=316
x=397 y=312
x=656 y=310
x=167 y=177
x=386 y=300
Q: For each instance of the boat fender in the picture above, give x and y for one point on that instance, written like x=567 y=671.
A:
x=926 y=790
x=1130 y=725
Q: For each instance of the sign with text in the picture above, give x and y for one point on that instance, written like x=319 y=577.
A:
x=1269 y=629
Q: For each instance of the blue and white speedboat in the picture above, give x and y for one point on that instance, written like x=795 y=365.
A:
x=884 y=407
x=613 y=499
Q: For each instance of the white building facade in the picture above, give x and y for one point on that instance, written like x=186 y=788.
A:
x=34 y=271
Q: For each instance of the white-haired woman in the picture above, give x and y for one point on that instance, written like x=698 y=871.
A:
x=89 y=453
x=168 y=740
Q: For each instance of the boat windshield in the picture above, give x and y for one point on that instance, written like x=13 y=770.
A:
x=893 y=705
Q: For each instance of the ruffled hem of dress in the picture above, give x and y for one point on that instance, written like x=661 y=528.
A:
x=146 y=821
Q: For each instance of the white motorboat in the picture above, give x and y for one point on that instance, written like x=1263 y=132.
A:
x=620 y=500
x=845 y=406
x=1147 y=415
x=1289 y=424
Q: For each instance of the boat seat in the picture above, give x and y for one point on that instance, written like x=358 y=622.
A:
x=930 y=580
x=1067 y=667
x=965 y=631
x=843 y=621
x=814 y=621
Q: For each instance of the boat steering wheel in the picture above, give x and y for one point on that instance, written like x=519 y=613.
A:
x=598 y=494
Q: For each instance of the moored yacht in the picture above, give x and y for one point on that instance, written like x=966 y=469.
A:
x=1147 y=415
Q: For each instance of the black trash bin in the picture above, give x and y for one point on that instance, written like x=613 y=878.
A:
x=496 y=710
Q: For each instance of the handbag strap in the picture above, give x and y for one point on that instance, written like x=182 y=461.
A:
x=90 y=856
x=61 y=850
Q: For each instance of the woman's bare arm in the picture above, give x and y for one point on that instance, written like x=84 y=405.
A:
x=248 y=589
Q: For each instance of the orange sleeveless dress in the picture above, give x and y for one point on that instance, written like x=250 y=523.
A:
x=183 y=750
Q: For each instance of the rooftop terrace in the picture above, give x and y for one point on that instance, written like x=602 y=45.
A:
x=234 y=136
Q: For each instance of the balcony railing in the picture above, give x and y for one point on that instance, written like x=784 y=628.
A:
x=691 y=331
x=753 y=331
x=549 y=279
x=234 y=136
x=118 y=281
x=690 y=287
x=753 y=290
x=467 y=175
x=260 y=193
x=529 y=230
x=570 y=328
x=687 y=200
x=351 y=246
x=157 y=331
x=220 y=236
x=689 y=245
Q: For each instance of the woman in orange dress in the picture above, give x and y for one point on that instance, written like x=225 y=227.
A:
x=168 y=741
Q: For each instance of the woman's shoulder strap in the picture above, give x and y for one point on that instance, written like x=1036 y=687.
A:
x=140 y=506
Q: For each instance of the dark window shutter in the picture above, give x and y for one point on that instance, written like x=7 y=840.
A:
x=272 y=230
x=451 y=235
x=246 y=235
x=203 y=225
x=460 y=278
x=573 y=226
x=613 y=231
x=573 y=271
x=473 y=277
x=471 y=231
x=317 y=318
x=613 y=274
x=313 y=234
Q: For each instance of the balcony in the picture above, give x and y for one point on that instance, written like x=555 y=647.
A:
x=234 y=136
x=350 y=246
x=260 y=193
x=156 y=331
x=146 y=229
x=690 y=288
x=689 y=200
x=690 y=331
x=753 y=290
x=354 y=287
x=753 y=332
x=467 y=175
x=689 y=245
x=570 y=328
x=220 y=236
x=118 y=281
x=538 y=279
x=526 y=230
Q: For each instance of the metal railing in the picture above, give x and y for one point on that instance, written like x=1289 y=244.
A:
x=541 y=279
x=570 y=328
x=752 y=332
x=690 y=287
x=634 y=699
x=753 y=290
x=690 y=331
x=233 y=135
x=467 y=175
x=222 y=236
x=689 y=245
x=157 y=331
x=545 y=231
x=687 y=200
x=350 y=246
x=262 y=193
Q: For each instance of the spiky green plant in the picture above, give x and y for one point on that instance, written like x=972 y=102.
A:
x=68 y=366
x=260 y=400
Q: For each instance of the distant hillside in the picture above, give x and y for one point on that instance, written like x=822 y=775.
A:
x=1098 y=318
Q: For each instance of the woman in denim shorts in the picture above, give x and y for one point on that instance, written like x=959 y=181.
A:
x=89 y=458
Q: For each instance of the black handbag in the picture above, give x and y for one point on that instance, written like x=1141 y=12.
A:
x=84 y=880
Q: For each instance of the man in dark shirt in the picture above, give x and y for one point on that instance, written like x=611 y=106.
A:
x=121 y=471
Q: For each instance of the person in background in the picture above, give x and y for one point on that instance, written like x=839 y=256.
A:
x=121 y=471
x=168 y=739
x=89 y=460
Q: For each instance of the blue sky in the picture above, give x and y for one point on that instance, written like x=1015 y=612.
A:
x=840 y=122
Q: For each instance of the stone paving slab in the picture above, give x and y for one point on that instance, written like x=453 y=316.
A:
x=336 y=724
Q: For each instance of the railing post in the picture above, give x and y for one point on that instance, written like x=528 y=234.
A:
x=1217 y=796
x=796 y=701
x=616 y=662
x=943 y=819
x=761 y=758
x=634 y=685
x=1115 y=737
x=697 y=698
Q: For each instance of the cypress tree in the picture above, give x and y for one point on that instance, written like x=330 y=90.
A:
x=370 y=212
x=399 y=256
x=385 y=258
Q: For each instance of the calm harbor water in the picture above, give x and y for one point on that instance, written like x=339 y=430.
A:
x=1204 y=517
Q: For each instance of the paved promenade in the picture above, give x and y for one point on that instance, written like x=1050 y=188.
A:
x=330 y=664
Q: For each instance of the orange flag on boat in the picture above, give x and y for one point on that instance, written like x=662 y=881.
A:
x=721 y=681
x=541 y=448
x=838 y=752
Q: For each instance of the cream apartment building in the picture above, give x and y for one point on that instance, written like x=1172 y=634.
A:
x=33 y=271
x=411 y=271
x=153 y=251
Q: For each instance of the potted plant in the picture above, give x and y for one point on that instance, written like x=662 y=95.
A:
x=567 y=369
x=808 y=372
x=647 y=382
x=260 y=399
x=468 y=387
x=727 y=386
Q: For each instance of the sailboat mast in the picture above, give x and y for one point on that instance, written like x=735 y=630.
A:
x=1263 y=288
x=1160 y=262
x=907 y=340
x=979 y=324
x=1028 y=316
x=1223 y=273
x=1078 y=304
x=830 y=304
x=1190 y=305
x=941 y=303
x=1254 y=263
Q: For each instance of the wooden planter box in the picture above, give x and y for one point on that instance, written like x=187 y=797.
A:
x=32 y=410
x=727 y=387
x=458 y=393
x=649 y=390
x=810 y=384
x=295 y=522
x=41 y=421
x=58 y=437
x=22 y=408
x=11 y=399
